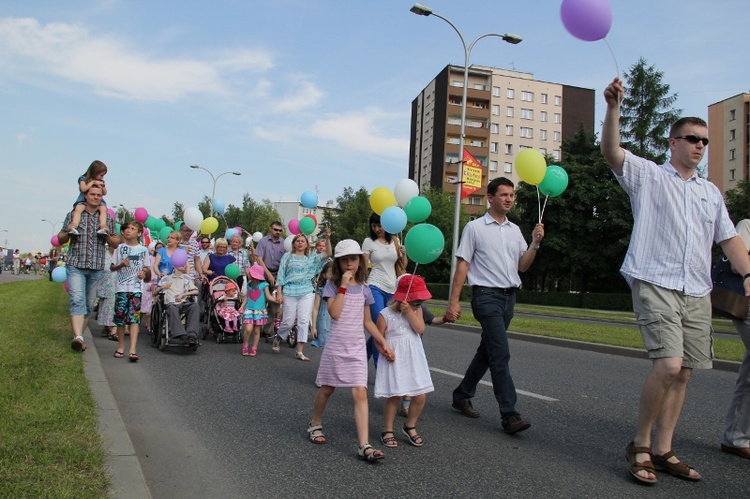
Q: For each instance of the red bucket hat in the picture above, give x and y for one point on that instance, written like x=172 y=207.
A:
x=411 y=288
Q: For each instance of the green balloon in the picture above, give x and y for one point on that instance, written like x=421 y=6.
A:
x=159 y=224
x=307 y=225
x=417 y=209
x=150 y=221
x=424 y=243
x=555 y=181
x=178 y=225
x=164 y=234
x=232 y=271
x=117 y=228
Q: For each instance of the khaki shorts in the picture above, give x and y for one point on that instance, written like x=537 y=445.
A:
x=674 y=325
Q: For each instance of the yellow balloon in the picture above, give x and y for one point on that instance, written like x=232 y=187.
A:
x=382 y=198
x=60 y=263
x=209 y=225
x=531 y=166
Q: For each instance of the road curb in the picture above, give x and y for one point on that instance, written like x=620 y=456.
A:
x=720 y=365
x=124 y=469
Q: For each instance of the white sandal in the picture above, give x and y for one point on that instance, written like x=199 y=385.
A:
x=301 y=356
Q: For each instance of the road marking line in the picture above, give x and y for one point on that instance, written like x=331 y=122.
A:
x=487 y=383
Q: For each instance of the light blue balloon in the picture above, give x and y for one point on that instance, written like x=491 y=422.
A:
x=393 y=219
x=229 y=233
x=59 y=274
x=219 y=206
x=309 y=200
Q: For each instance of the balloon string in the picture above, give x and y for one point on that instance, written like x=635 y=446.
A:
x=406 y=296
x=543 y=208
x=617 y=67
x=538 y=205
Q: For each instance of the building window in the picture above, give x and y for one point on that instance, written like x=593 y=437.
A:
x=477 y=143
x=509 y=112
x=479 y=86
x=556 y=136
x=556 y=154
x=478 y=105
x=454 y=140
x=543 y=134
x=475 y=200
x=542 y=115
x=732 y=114
x=496 y=110
x=457 y=83
x=493 y=166
x=527 y=96
x=732 y=134
x=455 y=102
x=493 y=146
x=508 y=148
x=496 y=91
x=527 y=133
x=732 y=174
x=508 y=168
x=543 y=150
x=454 y=121
x=509 y=130
x=495 y=128
x=558 y=100
x=558 y=118
x=511 y=93
x=732 y=154
x=527 y=114
x=544 y=98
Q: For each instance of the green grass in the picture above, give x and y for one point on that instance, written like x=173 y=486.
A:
x=725 y=349
x=49 y=443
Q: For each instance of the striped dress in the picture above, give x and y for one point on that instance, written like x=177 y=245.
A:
x=344 y=359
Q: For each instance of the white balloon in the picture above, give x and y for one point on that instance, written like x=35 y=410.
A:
x=193 y=218
x=288 y=243
x=248 y=240
x=257 y=236
x=405 y=190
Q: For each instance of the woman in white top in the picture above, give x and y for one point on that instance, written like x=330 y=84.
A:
x=381 y=255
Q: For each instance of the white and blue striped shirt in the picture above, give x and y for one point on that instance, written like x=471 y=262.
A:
x=676 y=222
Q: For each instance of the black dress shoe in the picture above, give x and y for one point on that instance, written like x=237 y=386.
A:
x=466 y=407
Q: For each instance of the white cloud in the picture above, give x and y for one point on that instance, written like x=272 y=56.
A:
x=306 y=95
x=21 y=138
x=111 y=67
x=361 y=130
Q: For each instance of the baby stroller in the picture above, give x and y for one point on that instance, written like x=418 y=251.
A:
x=215 y=323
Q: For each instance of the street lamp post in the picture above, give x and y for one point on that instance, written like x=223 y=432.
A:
x=423 y=10
x=51 y=223
x=215 y=179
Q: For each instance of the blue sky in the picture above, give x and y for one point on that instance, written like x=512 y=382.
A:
x=296 y=94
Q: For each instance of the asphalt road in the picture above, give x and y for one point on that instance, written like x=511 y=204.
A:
x=216 y=424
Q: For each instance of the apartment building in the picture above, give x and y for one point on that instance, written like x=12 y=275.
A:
x=728 y=135
x=506 y=111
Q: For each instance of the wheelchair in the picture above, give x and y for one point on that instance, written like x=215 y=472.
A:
x=161 y=334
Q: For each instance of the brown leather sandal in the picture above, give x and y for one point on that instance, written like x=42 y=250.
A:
x=630 y=451
x=680 y=469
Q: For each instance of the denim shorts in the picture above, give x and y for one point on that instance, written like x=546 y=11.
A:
x=82 y=289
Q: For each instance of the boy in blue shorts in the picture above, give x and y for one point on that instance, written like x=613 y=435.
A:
x=129 y=260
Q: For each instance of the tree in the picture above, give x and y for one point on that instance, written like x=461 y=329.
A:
x=738 y=201
x=350 y=220
x=587 y=227
x=646 y=113
x=251 y=216
x=177 y=210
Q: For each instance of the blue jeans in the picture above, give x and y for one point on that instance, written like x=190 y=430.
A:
x=381 y=301
x=82 y=289
x=494 y=311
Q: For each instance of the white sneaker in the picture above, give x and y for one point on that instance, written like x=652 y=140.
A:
x=74 y=232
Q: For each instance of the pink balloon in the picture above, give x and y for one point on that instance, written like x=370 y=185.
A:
x=294 y=226
x=587 y=20
x=65 y=285
x=141 y=215
x=55 y=242
x=111 y=213
x=238 y=229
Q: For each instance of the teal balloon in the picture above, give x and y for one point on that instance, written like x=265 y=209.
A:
x=178 y=225
x=159 y=225
x=424 y=243
x=117 y=228
x=232 y=271
x=164 y=234
x=150 y=222
x=306 y=225
x=555 y=181
x=418 y=209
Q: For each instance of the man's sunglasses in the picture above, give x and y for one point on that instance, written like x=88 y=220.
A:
x=693 y=139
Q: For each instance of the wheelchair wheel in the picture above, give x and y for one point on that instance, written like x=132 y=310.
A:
x=163 y=335
x=292 y=338
x=156 y=317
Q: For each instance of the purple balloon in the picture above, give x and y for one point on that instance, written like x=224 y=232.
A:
x=179 y=257
x=588 y=20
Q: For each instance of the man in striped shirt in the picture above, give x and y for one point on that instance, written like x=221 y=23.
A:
x=677 y=218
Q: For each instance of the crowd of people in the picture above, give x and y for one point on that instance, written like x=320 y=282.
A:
x=333 y=295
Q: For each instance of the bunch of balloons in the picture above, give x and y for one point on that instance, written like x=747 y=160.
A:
x=307 y=224
x=402 y=205
x=550 y=181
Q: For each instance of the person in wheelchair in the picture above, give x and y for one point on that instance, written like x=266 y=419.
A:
x=179 y=292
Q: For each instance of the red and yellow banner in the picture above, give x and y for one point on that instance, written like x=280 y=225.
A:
x=471 y=180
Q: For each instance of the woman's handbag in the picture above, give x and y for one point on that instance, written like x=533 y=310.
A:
x=728 y=294
x=400 y=267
